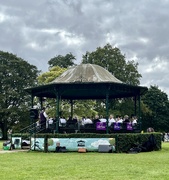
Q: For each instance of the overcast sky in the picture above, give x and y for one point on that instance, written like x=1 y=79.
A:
x=38 y=30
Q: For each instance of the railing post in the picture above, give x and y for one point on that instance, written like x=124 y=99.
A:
x=46 y=143
x=57 y=110
x=107 y=112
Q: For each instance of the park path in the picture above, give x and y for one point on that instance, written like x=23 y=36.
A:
x=13 y=151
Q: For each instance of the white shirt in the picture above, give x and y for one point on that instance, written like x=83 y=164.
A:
x=44 y=113
x=134 y=121
x=50 y=121
x=83 y=121
x=103 y=120
x=62 y=121
x=119 y=121
x=112 y=120
x=88 y=121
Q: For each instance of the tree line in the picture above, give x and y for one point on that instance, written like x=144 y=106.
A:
x=17 y=74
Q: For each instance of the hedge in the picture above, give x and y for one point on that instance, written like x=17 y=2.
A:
x=124 y=141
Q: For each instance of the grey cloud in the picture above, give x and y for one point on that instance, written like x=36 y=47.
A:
x=40 y=30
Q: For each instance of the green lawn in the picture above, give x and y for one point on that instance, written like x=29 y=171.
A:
x=85 y=166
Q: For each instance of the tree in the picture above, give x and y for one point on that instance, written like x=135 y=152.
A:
x=111 y=59
x=158 y=105
x=62 y=61
x=51 y=75
x=16 y=75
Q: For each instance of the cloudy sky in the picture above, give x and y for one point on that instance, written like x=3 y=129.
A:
x=38 y=30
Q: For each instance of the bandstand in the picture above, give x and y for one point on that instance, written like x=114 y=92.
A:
x=87 y=82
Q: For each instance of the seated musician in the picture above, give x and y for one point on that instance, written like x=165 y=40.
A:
x=62 y=121
x=96 y=119
x=111 y=120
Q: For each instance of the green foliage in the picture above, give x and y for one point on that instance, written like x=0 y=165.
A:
x=85 y=108
x=16 y=75
x=62 y=61
x=51 y=75
x=112 y=59
x=126 y=106
x=157 y=103
x=124 y=143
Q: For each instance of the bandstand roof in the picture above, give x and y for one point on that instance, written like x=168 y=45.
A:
x=86 y=81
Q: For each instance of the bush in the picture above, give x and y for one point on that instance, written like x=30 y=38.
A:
x=125 y=142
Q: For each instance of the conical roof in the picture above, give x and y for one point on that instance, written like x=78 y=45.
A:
x=86 y=81
x=86 y=73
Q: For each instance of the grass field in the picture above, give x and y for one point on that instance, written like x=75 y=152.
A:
x=85 y=166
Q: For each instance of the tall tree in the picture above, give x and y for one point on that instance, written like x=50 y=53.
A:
x=62 y=61
x=115 y=62
x=158 y=105
x=15 y=74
